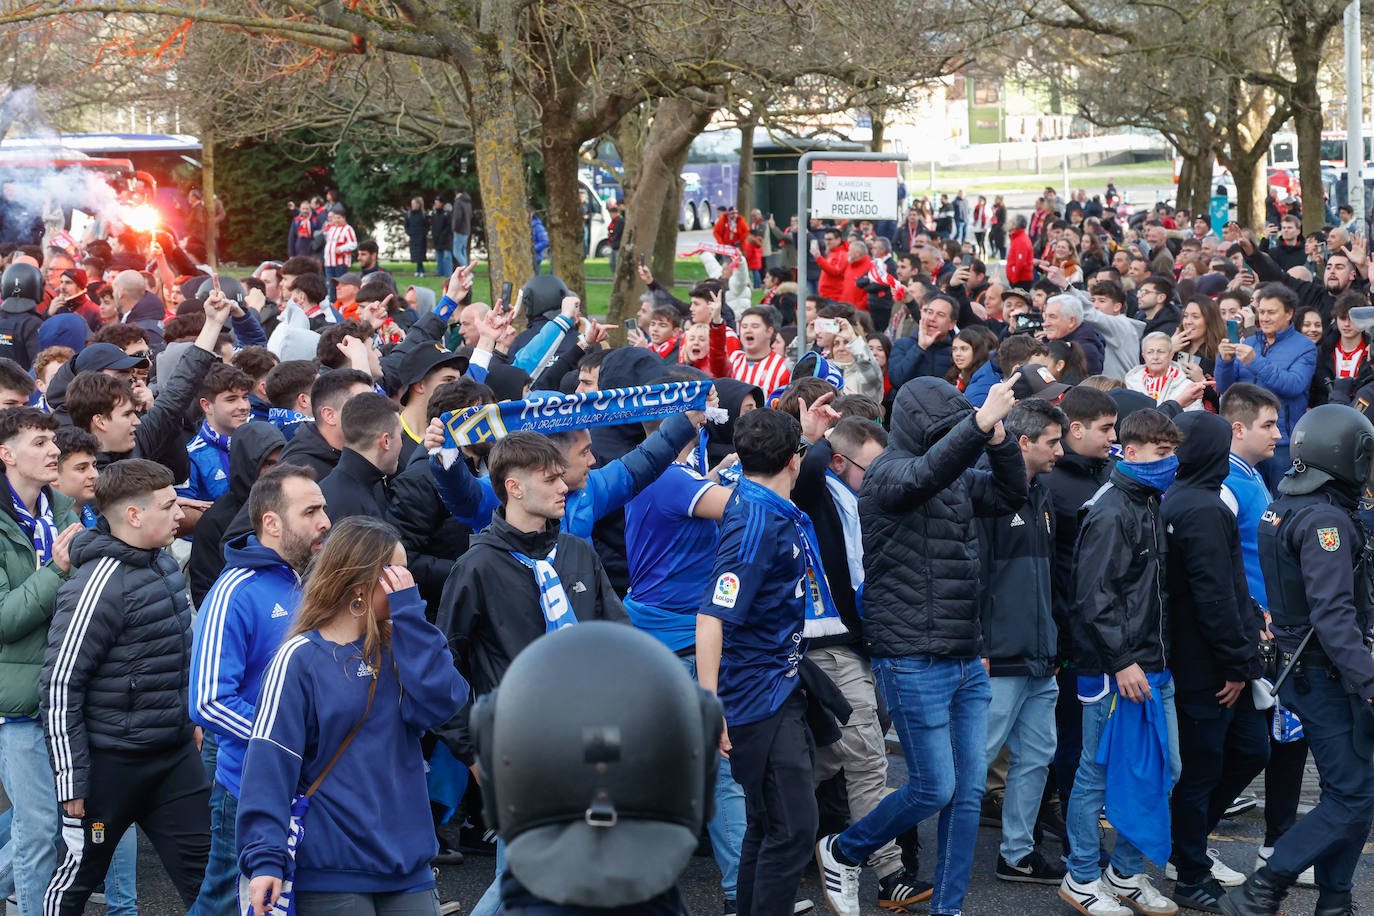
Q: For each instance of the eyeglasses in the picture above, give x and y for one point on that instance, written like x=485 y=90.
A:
x=856 y=464
x=802 y=445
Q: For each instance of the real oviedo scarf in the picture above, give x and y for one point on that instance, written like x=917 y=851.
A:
x=822 y=619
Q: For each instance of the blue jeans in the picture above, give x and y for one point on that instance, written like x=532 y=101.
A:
x=490 y=902
x=728 y=826
x=30 y=857
x=1090 y=795
x=443 y=261
x=1331 y=835
x=219 y=890
x=331 y=274
x=939 y=707
x=121 y=881
x=460 y=249
x=1021 y=716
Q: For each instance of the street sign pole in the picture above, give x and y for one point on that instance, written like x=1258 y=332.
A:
x=804 y=217
x=1354 y=114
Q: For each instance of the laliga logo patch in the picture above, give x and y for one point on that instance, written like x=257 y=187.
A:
x=1329 y=539
x=727 y=590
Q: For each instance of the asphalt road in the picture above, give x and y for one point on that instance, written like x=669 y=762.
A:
x=1235 y=840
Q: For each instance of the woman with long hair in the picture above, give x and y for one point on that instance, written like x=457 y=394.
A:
x=1199 y=334
x=1068 y=363
x=344 y=703
x=1092 y=256
x=969 y=351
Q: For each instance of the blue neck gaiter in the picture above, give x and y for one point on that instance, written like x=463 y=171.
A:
x=1158 y=474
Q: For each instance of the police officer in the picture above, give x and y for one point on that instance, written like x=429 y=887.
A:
x=21 y=288
x=1316 y=563
x=598 y=760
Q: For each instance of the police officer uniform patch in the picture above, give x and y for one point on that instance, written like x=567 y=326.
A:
x=1329 y=539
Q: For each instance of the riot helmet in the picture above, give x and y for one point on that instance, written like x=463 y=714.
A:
x=598 y=756
x=21 y=287
x=1331 y=443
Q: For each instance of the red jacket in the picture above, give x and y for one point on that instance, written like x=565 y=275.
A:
x=834 y=268
x=753 y=255
x=728 y=234
x=1020 y=259
x=852 y=294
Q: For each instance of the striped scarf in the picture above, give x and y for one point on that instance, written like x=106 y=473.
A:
x=39 y=526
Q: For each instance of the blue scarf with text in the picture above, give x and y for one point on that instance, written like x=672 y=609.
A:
x=558 y=413
x=553 y=601
x=822 y=619
x=38 y=525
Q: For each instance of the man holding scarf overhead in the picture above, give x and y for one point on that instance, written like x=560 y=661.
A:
x=768 y=595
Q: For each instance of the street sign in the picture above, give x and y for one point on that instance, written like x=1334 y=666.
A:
x=854 y=190
x=1221 y=213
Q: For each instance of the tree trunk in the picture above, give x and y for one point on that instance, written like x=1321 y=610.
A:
x=664 y=258
x=1196 y=195
x=1186 y=172
x=500 y=173
x=1307 y=120
x=1248 y=173
x=565 y=207
x=676 y=123
x=875 y=143
x=744 y=193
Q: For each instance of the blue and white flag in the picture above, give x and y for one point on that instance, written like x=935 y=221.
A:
x=558 y=413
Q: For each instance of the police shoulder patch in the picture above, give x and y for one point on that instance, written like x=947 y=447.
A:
x=1329 y=539
x=727 y=590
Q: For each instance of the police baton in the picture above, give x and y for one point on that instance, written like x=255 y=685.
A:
x=1292 y=663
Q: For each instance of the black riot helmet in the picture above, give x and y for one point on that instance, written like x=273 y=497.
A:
x=21 y=287
x=599 y=757
x=1332 y=443
x=543 y=296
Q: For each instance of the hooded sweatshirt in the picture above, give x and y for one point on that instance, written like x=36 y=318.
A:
x=1215 y=625
x=248 y=449
x=240 y=625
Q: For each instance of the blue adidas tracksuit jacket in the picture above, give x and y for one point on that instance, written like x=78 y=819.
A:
x=238 y=628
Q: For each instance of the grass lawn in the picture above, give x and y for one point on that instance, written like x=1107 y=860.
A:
x=1158 y=172
x=688 y=272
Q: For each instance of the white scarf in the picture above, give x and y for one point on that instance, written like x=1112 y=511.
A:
x=847 y=505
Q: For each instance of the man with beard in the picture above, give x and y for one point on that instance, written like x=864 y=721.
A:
x=240 y=625
x=1343 y=271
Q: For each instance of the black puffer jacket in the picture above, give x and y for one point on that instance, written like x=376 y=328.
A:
x=1215 y=627
x=118 y=659
x=1071 y=484
x=1119 y=574
x=432 y=537
x=917 y=509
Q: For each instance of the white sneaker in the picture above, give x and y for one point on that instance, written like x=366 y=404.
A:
x=1222 y=873
x=840 y=882
x=1137 y=892
x=1307 y=879
x=1092 y=899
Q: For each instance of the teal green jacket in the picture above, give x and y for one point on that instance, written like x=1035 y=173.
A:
x=27 y=595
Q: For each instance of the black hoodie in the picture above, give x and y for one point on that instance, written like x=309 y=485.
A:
x=1214 y=624
x=918 y=510
x=1071 y=484
x=731 y=393
x=490 y=606
x=249 y=446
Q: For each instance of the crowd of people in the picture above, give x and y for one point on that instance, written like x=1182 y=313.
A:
x=1054 y=523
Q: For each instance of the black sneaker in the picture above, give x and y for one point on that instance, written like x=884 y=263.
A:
x=1051 y=822
x=902 y=889
x=991 y=813
x=1033 y=869
x=1205 y=896
x=1240 y=805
